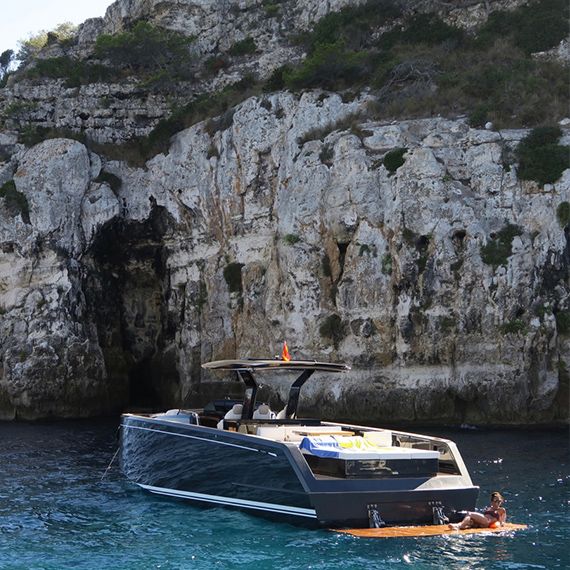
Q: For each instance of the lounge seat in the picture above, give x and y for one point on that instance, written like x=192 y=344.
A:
x=357 y=447
x=234 y=414
x=263 y=413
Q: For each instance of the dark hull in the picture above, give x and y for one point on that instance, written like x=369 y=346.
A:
x=216 y=467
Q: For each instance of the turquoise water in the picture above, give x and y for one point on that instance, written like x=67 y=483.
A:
x=56 y=513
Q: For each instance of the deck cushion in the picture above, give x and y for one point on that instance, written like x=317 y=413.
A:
x=357 y=447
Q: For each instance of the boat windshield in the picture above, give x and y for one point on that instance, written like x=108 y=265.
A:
x=245 y=367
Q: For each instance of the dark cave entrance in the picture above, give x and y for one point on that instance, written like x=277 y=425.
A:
x=127 y=289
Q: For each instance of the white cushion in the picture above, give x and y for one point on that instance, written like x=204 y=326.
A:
x=235 y=413
x=263 y=413
x=380 y=438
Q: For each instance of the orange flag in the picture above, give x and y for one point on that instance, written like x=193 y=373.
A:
x=285 y=353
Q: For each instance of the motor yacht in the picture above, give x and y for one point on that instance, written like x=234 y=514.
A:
x=242 y=454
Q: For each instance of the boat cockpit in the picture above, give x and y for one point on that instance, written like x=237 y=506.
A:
x=332 y=450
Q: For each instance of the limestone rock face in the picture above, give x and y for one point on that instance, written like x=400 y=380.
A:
x=441 y=278
x=285 y=226
x=51 y=361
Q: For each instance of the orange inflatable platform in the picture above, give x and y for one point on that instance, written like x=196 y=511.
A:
x=425 y=530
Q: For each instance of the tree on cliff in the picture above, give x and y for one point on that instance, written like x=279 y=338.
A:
x=31 y=47
x=145 y=47
x=6 y=58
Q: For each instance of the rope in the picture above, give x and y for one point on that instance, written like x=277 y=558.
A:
x=111 y=463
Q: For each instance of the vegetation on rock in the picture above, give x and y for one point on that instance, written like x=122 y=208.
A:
x=394 y=159
x=15 y=201
x=332 y=328
x=146 y=48
x=416 y=66
x=427 y=67
x=232 y=276
x=75 y=72
x=563 y=322
x=563 y=213
x=32 y=46
x=6 y=58
x=243 y=47
x=387 y=264
x=111 y=179
x=540 y=157
x=500 y=247
x=291 y=239
x=513 y=327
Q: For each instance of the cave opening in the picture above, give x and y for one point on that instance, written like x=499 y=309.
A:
x=127 y=292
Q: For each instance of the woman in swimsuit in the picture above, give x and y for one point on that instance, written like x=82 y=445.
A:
x=494 y=515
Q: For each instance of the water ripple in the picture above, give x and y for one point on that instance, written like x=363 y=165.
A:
x=56 y=513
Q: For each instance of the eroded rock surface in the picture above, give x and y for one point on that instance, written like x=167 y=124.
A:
x=282 y=226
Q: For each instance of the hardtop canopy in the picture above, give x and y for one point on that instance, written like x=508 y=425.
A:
x=244 y=369
x=272 y=364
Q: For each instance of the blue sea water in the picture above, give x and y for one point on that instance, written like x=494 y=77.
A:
x=57 y=513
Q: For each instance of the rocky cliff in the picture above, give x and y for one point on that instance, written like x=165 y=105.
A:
x=442 y=278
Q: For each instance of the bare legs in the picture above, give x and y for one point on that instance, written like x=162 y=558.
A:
x=470 y=521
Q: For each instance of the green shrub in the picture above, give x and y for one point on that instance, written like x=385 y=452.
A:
x=244 y=47
x=409 y=236
x=276 y=81
x=31 y=135
x=498 y=250
x=146 y=47
x=479 y=116
x=15 y=201
x=537 y=26
x=447 y=324
x=291 y=239
x=202 y=297
x=540 y=158
x=563 y=322
x=6 y=59
x=369 y=250
x=75 y=72
x=542 y=136
x=222 y=122
x=32 y=46
x=218 y=105
x=332 y=328
x=352 y=25
x=327 y=154
x=215 y=64
x=272 y=9
x=232 y=275
x=17 y=109
x=563 y=213
x=387 y=264
x=331 y=67
x=320 y=133
x=394 y=159
x=513 y=327
x=111 y=179
x=422 y=29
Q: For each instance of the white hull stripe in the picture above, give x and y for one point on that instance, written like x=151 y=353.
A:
x=207 y=440
x=270 y=507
